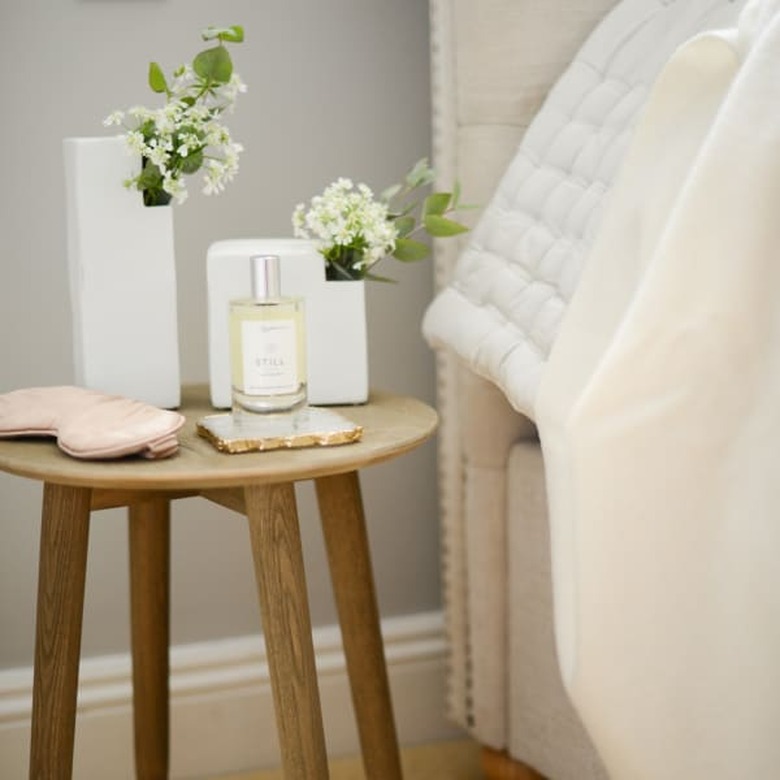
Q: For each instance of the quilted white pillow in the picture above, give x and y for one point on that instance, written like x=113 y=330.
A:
x=503 y=308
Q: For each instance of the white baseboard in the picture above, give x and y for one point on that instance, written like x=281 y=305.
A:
x=221 y=706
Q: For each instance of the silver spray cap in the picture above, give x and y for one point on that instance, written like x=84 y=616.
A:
x=266 y=278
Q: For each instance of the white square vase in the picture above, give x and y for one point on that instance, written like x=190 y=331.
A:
x=122 y=272
x=335 y=313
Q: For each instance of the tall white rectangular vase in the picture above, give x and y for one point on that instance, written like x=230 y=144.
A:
x=122 y=271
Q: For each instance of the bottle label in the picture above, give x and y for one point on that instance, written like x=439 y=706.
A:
x=269 y=355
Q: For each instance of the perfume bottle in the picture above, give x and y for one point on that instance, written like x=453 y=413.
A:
x=267 y=344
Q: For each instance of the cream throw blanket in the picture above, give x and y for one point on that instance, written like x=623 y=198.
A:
x=659 y=414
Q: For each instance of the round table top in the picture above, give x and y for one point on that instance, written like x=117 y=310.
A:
x=392 y=425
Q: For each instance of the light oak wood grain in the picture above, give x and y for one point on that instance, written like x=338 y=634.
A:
x=391 y=425
x=61 y=577
x=346 y=540
x=149 y=523
x=281 y=585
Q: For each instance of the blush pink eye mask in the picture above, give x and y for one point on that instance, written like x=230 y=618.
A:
x=89 y=424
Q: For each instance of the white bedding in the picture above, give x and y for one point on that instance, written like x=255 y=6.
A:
x=654 y=378
x=503 y=309
x=659 y=416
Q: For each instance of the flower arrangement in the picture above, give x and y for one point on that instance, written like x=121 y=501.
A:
x=186 y=134
x=355 y=230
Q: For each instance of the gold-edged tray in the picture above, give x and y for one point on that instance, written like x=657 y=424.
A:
x=311 y=426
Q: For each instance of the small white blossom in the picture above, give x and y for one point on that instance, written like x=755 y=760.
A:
x=214 y=177
x=135 y=141
x=183 y=78
x=175 y=187
x=114 y=118
x=140 y=113
x=157 y=153
x=230 y=91
x=352 y=229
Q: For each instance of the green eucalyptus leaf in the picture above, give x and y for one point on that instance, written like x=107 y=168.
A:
x=420 y=174
x=441 y=227
x=150 y=176
x=404 y=225
x=157 y=78
x=408 y=250
x=437 y=203
x=390 y=193
x=148 y=129
x=234 y=33
x=156 y=197
x=192 y=162
x=214 y=65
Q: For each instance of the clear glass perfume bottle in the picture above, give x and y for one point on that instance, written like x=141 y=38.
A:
x=267 y=344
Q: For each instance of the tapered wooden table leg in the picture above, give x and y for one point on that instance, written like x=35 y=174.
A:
x=150 y=538
x=341 y=508
x=61 y=576
x=281 y=583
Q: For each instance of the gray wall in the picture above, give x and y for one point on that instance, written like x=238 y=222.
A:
x=336 y=87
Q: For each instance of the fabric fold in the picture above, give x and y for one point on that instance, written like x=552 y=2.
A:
x=660 y=425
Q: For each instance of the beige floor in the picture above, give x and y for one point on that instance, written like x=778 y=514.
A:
x=439 y=761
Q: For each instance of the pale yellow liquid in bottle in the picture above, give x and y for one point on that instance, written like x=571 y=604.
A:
x=258 y=361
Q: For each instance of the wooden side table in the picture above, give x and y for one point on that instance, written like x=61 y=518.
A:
x=260 y=485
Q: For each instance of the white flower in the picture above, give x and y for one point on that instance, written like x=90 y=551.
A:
x=183 y=78
x=114 y=118
x=140 y=113
x=166 y=121
x=214 y=177
x=228 y=92
x=215 y=134
x=157 y=153
x=135 y=141
x=175 y=187
x=347 y=221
